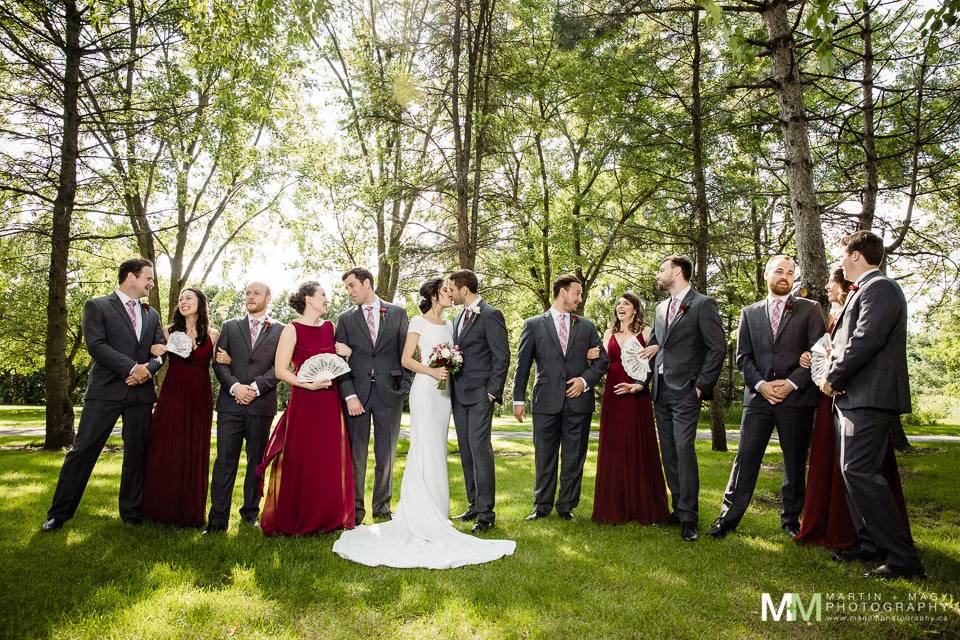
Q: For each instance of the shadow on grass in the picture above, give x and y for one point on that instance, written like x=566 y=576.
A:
x=575 y=579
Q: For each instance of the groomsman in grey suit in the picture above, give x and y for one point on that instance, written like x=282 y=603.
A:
x=375 y=386
x=246 y=404
x=868 y=379
x=124 y=338
x=687 y=344
x=563 y=398
x=481 y=333
x=777 y=392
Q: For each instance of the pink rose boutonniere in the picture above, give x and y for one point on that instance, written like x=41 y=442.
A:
x=383 y=311
x=574 y=318
x=683 y=307
x=267 y=324
x=788 y=307
x=854 y=287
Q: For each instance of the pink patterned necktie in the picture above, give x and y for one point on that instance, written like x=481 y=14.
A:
x=254 y=330
x=672 y=311
x=563 y=333
x=775 y=314
x=371 y=325
x=131 y=311
x=466 y=318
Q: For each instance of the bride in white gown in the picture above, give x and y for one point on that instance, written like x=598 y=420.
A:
x=420 y=533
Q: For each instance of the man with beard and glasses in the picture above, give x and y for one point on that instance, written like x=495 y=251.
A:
x=778 y=392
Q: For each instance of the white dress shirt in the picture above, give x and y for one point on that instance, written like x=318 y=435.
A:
x=138 y=310
x=865 y=274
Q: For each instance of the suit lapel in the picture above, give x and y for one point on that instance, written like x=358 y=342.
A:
x=552 y=332
x=260 y=336
x=362 y=323
x=680 y=313
x=789 y=310
x=472 y=321
x=115 y=302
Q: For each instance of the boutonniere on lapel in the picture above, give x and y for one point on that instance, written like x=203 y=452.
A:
x=854 y=287
x=574 y=318
x=146 y=306
x=267 y=324
x=788 y=307
x=383 y=312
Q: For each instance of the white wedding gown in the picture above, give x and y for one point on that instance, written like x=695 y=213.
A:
x=420 y=534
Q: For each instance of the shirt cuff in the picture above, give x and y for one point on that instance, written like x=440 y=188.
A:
x=233 y=388
x=585 y=385
x=793 y=384
x=254 y=385
x=759 y=384
x=350 y=397
x=131 y=370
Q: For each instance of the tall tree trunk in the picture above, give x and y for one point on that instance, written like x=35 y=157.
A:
x=59 y=408
x=811 y=254
x=868 y=210
x=718 y=405
x=701 y=208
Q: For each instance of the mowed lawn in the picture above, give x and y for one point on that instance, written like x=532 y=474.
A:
x=101 y=578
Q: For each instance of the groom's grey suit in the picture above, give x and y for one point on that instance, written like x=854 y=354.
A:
x=691 y=357
x=485 y=346
x=558 y=419
x=379 y=382
x=869 y=368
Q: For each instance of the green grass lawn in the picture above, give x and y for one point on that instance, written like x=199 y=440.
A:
x=100 y=578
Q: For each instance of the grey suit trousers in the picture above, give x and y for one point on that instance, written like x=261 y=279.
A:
x=96 y=422
x=863 y=435
x=473 y=422
x=794 y=428
x=232 y=430
x=568 y=434
x=386 y=434
x=677 y=414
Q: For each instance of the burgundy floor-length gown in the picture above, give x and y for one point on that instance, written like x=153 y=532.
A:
x=826 y=517
x=311 y=479
x=630 y=484
x=178 y=458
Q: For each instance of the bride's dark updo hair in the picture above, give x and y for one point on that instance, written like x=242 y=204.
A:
x=428 y=291
x=298 y=299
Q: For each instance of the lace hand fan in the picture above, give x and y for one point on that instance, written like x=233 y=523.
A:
x=636 y=367
x=323 y=366
x=179 y=344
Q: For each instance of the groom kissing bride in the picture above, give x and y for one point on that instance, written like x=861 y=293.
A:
x=420 y=533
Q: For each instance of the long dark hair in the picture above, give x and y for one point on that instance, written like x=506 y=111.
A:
x=428 y=291
x=179 y=321
x=639 y=318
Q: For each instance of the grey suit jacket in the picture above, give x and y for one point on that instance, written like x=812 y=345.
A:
x=692 y=349
x=382 y=359
x=761 y=357
x=115 y=350
x=869 y=359
x=540 y=343
x=486 y=356
x=250 y=363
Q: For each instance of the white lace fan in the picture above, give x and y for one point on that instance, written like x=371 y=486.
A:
x=180 y=344
x=323 y=366
x=820 y=359
x=636 y=367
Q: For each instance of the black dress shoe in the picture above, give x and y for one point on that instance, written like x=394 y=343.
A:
x=135 y=521
x=672 y=520
x=856 y=554
x=565 y=515
x=536 y=515
x=481 y=526
x=357 y=521
x=52 y=524
x=467 y=516
x=250 y=522
x=214 y=528
x=892 y=571
x=386 y=515
x=792 y=529
x=720 y=528
x=688 y=532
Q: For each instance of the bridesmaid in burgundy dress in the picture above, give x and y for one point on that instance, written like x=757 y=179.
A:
x=630 y=484
x=311 y=480
x=178 y=458
x=826 y=518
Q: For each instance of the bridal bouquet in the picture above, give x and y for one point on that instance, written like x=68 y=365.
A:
x=445 y=356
